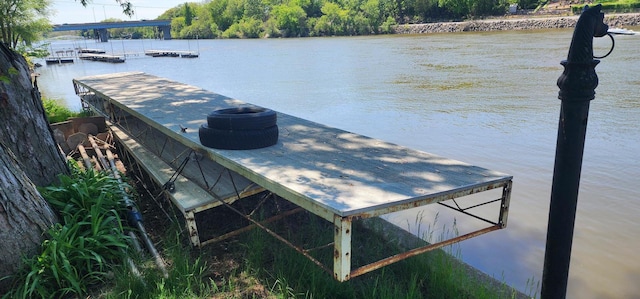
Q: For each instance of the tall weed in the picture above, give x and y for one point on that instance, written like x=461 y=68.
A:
x=78 y=252
x=56 y=112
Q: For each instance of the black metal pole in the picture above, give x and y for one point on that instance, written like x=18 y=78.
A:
x=577 y=88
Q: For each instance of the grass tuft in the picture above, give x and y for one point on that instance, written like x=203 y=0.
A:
x=79 y=251
x=86 y=256
x=56 y=112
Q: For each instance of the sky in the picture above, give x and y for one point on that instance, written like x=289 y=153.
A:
x=71 y=11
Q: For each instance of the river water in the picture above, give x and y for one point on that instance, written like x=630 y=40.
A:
x=488 y=99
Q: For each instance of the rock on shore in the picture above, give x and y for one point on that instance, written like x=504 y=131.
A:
x=617 y=21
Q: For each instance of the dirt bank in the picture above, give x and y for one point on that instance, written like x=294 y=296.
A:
x=616 y=20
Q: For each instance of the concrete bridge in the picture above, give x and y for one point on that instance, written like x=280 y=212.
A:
x=164 y=27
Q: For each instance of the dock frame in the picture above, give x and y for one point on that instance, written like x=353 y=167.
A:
x=336 y=175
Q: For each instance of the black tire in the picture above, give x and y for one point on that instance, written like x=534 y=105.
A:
x=238 y=140
x=242 y=118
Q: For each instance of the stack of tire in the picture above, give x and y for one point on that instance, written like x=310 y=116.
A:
x=240 y=128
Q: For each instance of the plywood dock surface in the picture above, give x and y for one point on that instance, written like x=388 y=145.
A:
x=328 y=171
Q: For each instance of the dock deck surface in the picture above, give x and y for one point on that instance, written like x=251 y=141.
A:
x=330 y=172
x=342 y=172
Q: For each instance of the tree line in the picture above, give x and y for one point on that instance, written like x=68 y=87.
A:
x=23 y=21
x=295 y=18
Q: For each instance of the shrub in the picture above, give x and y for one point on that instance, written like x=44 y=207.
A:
x=57 y=112
x=80 y=250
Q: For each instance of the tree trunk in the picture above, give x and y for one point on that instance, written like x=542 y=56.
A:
x=24 y=215
x=28 y=156
x=23 y=124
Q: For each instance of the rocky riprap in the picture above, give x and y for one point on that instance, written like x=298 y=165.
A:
x=614 y=21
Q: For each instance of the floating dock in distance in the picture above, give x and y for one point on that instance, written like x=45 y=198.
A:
x=58 y=60
x=171 y=53
x=621 y=31
x=91 y=51
x=339 y=176
x=64 y=53
x=102 y=58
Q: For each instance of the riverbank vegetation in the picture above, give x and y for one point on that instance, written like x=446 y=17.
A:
x=297 y=18
x=89 y=254
x=618 y=6
x=57 y=112
x=80 y=251
x=293 y=18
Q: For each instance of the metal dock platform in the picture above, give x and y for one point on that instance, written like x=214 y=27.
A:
x=102 y=57
x=171 y=53
x=337 y=175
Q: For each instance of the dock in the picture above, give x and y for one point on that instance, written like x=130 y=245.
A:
x=102 y=58
x=171 y=53
x=336 y=175
x=58 y=60
x=91 y=51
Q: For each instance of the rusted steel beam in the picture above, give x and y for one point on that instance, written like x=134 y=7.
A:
x=401 y=256
x=433 y=199
x=251 y=226
x=464 y=211
x=275 y=235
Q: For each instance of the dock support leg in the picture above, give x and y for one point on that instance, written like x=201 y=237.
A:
x=190 y=219
x=504 y=204
x=342 y=249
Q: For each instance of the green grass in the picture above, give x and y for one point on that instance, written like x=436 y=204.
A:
x=619 y=6
x=186 y=279
x=80 y=250
x=86 y=256
x=57 y=112
x=436 y=274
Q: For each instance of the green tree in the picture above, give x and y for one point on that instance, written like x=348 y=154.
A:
x=457 y=7
x=313 y=8
x=289 y=18
x=226 y=12
x=246 y=28
x=171 y=13
x=423 y=9
x=202 y=25
x=333 y=21
x=177 y=25
x=530 y=4
x=255 y=9
x=200 y=28
x=372 y=12
x=22 y=21
x=188 y=14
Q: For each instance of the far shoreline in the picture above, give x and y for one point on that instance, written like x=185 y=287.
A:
x=520 y=23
